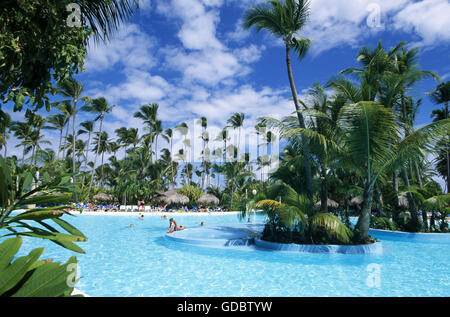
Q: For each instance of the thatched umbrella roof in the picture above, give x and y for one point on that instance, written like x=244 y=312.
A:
x=103 y=197
x=403 y=201
x=175 y=199
x=209 y=199
x=331 y=203
x=356 y=201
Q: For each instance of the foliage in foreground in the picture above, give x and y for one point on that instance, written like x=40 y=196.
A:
x=27 y=276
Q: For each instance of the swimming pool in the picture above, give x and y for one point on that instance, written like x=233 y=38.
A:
x=141 y=261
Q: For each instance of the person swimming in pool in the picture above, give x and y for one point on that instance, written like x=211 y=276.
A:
x=174 y=226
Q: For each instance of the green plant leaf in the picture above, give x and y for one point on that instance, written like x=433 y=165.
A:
x=14 y=272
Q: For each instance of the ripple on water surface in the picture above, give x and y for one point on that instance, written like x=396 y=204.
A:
x=140 y=261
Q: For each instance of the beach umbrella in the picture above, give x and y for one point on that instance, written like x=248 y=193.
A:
x=403 y=201
x=209 y=199
x=175 y=199
x=162 y=196
x=331 y=203
x=103 y=197
x=356 y=201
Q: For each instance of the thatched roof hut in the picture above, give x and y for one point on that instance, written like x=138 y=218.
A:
x=331 y=203
x=356 y=201
x=175 y=199
x=103 y=197
x=209 y=199
x=403 y=201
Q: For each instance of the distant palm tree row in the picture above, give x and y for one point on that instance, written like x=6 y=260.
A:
x=353 y=142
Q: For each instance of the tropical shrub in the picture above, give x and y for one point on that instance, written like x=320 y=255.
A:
x=383 y=223
x=191 y=191
x=287 y=223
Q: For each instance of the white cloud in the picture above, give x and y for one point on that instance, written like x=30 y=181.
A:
x=131 y=48
x=428 y=18
x=139 y=86
x=335 y=22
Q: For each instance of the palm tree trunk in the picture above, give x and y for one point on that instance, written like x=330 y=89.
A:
x=448 y=154
x=419 y=179
x=65 y=138
x=75 y=195
x=412 y=205
x=156 y=147
x=324 y=193
x=395 y=183
x=60 y=141
x=4 y=136
x=85 y=162
x=101 y=174
x=363 y=225
x=96 y=155
x=23 y=155
x=301 y=121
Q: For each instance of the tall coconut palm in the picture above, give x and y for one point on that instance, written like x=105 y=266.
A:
x=98 y=107
x=58 y=122
x=371 y=139
x=148 y=113
x=237 y=122
x=157 y=130
x=442 y=96
x=183 y=128
x=37 y=122
x=66 y=108
x=101 y=144
x=285 y=21
x=5 y=122
x=223 y=136
x=70 y=88
x=168 y=136
x=22 y=131
x=203 y=122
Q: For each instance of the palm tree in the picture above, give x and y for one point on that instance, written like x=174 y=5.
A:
x=114 y=147
x=203 y=122
x=371 y=141
x=285 y=20
x=99 y=107
x=157 y=130
x=223 y=136
x=22 y=131
x=67 y=110
x=237 y=122
x=101 y=144
x=70 y=88
x=442 y=96
x=148 y=113
x=302 y=227
x=58 y=122
x=105 y=17
x=5 y=122
x=184 y=130
x=37 y=122
x=168 y=136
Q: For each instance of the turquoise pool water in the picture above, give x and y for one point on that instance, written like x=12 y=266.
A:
x=141 y=261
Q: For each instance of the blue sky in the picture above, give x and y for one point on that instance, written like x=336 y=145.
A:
x=193 y=58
